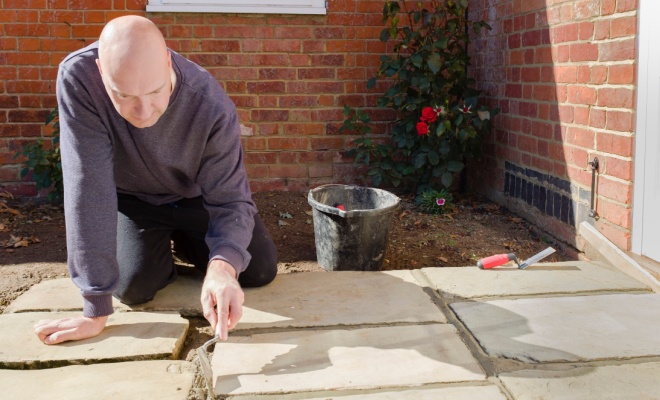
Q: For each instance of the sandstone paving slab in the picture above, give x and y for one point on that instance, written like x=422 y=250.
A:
x=63 y=295
x=490 y=392
x=566 y=328
x=629 y=381
x=138 y=380
x=545 y=278
x=338 y=298
x=337 y=359
x=127 y=336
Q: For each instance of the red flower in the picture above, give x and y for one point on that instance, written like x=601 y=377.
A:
x=428 y=115
x=422 y=128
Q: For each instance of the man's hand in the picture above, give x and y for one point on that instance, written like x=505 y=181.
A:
x=222 y=297
x=53 y=331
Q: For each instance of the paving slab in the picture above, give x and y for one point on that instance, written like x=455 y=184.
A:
x=545 y=278
x=490 y=392
x=630 y=381
x=366 y=358
x=566 y=328
x=313 y=299
x=171 y=380
x=62 y=295
x=303 y=300
x=127 y=336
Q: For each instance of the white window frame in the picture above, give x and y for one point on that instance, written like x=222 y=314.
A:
x=239 y=6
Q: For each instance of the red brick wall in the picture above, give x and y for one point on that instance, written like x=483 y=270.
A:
x=289 y=75
x=563 y=73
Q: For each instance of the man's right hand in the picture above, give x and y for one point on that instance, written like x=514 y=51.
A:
x=53 y=331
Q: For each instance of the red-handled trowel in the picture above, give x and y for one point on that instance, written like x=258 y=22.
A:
x=501 y=259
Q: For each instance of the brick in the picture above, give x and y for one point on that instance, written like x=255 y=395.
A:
x=587 y=9
x=617 y=214
x=607 y=7
x=71 y=17
x=298 y=101
x=325 y=87
x=220 y=46
x=581 y=95
x=317 y=46
x=318 y=171
x=597 y=118
x=583 y=52
x=27 y=115
x=28 y=87
x=582 y=116
x=621 y=74
x=330 y=32
x=565 y=74
x=581 y=137
x=623 y=26
x=545 y=93
x=32 y=30
x=316 y=73
x=346 y=46
x=626 y=5
x=620 y=237
x=615 y=97
x=614 y=144
x=8 y=101
x=614 y=189
x=257 y=171
x=288 y=157
x=565 y=33
x=266 y=87
x=617 y=51
x=304 y=129
x=279 y=143
x=287 y=171
x=602 y=29
x=269 y=115
x=619 y=121
x=327 y=143
x=86 y=31
x=94 y=17
x=530 y=74
x=277 y=73
x=584 y=74
x=282 y=46
x=531 y=38
x=268 y=102
x=579 y=157
x=618 y=168
x=289 y=32
x=328 y=60
x=270 y=60
x=586 y=30
x=598 y=74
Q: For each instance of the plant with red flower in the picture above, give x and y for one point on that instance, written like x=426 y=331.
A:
x=422 y=129
x=429 y=115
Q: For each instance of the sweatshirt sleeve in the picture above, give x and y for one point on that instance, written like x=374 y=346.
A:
x=226 y=191
x=90 y=199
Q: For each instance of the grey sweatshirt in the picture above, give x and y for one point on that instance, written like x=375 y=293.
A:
x=193 y=150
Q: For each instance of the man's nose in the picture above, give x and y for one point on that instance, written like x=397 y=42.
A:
x=142 y=108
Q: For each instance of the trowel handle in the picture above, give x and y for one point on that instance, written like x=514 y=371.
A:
x=495 y=261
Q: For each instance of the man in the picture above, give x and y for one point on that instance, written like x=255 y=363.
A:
x=151 y=153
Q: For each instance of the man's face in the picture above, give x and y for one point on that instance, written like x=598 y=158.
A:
x=140 y=93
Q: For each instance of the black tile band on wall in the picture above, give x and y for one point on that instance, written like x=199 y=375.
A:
x=547 y=193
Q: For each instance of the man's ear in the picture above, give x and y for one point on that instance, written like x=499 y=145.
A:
x=98 y=64
x=169 y=58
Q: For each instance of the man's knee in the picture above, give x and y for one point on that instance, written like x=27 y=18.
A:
x=259 y=273
x=133 y=296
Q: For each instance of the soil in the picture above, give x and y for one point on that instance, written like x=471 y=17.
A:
x=33 y=245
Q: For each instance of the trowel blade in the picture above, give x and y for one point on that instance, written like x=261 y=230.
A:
x=537 y=257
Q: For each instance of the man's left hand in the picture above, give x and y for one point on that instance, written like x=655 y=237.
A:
x=222 y=297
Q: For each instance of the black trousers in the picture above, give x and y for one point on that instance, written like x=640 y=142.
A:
x=144 y=250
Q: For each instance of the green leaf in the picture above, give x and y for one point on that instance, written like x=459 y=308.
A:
x=455 y=166
x=385 y=35
x=434 y=62
x=372 y=172
x=439 y=170
x=408 y=170
x=441 y=43
x=440 y=130
x=420 y=160
x=417 y=60
x=377 y=179
x=371 y=83
x=446 y=179
x=433 y=157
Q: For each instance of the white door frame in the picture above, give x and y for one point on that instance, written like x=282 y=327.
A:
x=648 y=107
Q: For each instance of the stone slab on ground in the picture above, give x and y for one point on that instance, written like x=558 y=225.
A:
x=565 y=328
x=489 y=392
x=62 y=295
x=166 y=379
x=337 y=359
x=127 y=336
x=546 y=278
x=338 y=298
x=630 y=381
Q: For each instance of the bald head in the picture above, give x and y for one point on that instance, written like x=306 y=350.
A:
x=136 y=69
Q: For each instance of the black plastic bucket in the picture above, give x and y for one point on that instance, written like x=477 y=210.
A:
x=354 y=239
